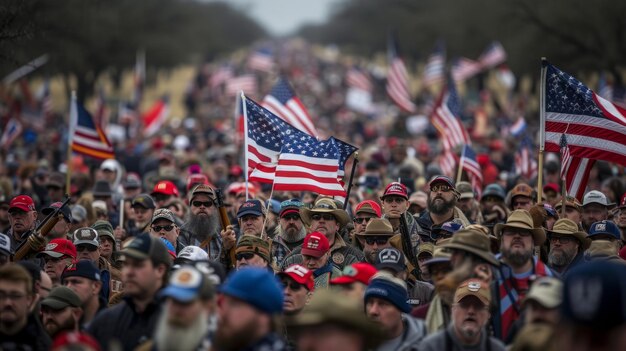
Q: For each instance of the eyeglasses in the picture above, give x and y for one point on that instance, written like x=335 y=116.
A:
x=158 y=228
x=378 y=240
x=11 y=296
x=293 y=286
x=396 y=199
x=244 y=256
x=89 y=248
x=361 y=220
x=291 y=217
x=521 y=232
x=440 y=187
x=202 y=203
x=561 y=239
x=324 y=216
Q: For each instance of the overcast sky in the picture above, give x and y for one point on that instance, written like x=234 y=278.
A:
x=282 y=17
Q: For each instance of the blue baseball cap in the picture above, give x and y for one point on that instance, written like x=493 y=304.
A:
x=251 y=207
x=82 y=268
x=187 y=284
x=257 y=287
x=604 y=227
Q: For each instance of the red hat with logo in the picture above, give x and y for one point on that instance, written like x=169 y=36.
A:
x=396 y=189
x=300 y=275
x=165 y=187
x=73 y=339
x=22 y=202
x=368 y=206
x=58 y=248
x=315 y=244
x=357 y=272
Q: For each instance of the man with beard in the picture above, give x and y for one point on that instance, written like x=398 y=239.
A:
x=543 y=301
x=386 y=304
x=83 y=277
x=492 y=205
x=23 y=218
x=19 y=329
x=470 y=314
x=325 y=217
x=249 y=300
x=61 y=311
x=184 y=322
x=467 y=202
x=375 y=238
x=595 y=208
x=291 y=230
x=567 y=245
x=442 y=200
x=605 y=241
x=146 y=263
x=202 y=226
x=518 y=239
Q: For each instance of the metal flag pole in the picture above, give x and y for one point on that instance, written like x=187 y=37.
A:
x=460 y=170
x=542 y=127
x=354 y=164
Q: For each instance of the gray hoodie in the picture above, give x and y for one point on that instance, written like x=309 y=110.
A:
x=414 y=332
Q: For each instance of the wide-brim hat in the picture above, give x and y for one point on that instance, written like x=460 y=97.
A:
x=378 y=227
x=474 y=242
x=565 y=226
x=324 y=205
x=521 y=219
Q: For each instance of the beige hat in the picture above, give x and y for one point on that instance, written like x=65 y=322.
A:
x=324 y=205
x=378 y=227
x=473 y=287
x=521 y=219
x=465 y=189
x=547 y=291
x=565 y=226
x=474 y=242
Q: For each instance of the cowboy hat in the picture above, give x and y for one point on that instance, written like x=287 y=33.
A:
x=521 y=219
x=565 y=226
x=324 y=205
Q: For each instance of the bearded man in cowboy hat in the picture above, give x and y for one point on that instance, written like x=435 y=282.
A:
x=327 y=219
x=518 y=239
x=567 y=245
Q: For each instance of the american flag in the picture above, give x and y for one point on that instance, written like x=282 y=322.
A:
x=445 y=117
x=154 y=118
x=471 y=166
x=86 y=137
x=464 y=69
x=577 y=176
x=12 y=130
x=595 y=127
x=284 y=103
x=345 y=150
x=261 y=60
x=493 y=55
x=398 y=79
x=306 y=164
x=359 y=79
x=220 y=75
x=518 y=127
x=434 y=69
x=525 y=163
x=447 y=162
x=246 y=83
x=566 y=158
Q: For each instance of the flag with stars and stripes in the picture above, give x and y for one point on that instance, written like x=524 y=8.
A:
x=525 y=163
x=398 y=79
x=434 y=69
x=473 y=170
x=86 y=137
x=445 y=118
x=284 y=103
x=595 y=127
x=493 y=55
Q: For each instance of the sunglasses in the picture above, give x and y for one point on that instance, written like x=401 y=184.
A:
x=441 y=187
x=378 y=240
x=293 y=286
x=161 y=197
x=325 y=216
x=245 y=256
x=396 y=199
x=158 y=228
x=202 y=203
x=361 y=220
x=561 y=239
x=89 y=248
x=290 y=217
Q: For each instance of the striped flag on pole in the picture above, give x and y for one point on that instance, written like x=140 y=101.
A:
x=464 y=69
x=566 y=158
x=445 y=117
x=398 y=79
x=473 y=170
x=86 y=137
x=154 y=118
x=434 y=69
x=493 y=55
x=284 y=103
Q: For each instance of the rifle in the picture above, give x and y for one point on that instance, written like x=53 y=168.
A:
x=407 y=247
x=229 y=257
x=41 y=231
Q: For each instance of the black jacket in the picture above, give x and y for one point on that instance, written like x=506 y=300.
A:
x=32 y=337
x=122 y=324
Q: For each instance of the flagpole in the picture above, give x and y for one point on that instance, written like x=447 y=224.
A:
x=355 y=162
x=542 y=127
x=73 y=120
x=245 y=139
x=459 y=172
x=263 y=232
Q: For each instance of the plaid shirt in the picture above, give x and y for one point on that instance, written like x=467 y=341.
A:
x=214 y=247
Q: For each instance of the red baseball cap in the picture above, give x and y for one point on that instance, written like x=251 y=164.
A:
x=622 y=203
x=74 y=338
x=300 y=275
x=551 y=186
x=315 y=244
x=195 y=179
x=58 y=248
x=395 y=188
x=357 y=272
x=165 y=187
x=22 y=202
x=368 y=206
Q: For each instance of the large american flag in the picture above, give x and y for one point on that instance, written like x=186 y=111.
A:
x=445 y=117
x=574 y=171
x=85 y=136
x=493 y=55
x=398 y=79
x=284 y=103
x=434 y=69
x=471 y=166
x=464 y=68
x=595 y=127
